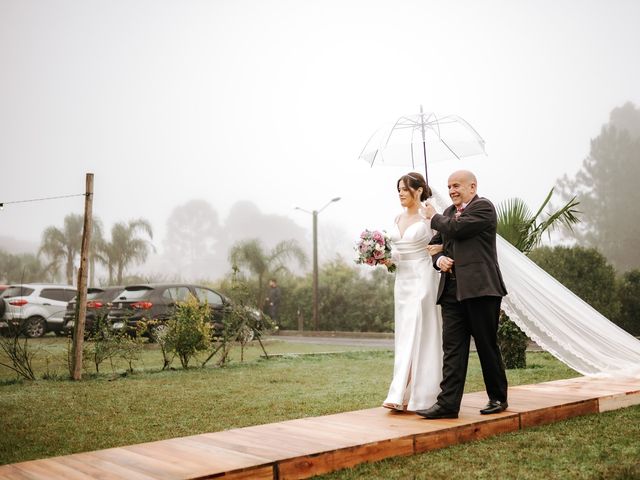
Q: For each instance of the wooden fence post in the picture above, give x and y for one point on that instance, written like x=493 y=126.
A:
x=81 y=306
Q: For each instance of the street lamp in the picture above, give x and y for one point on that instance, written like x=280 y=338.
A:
x=314 y=214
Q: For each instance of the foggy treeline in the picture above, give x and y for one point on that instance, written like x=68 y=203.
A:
x=197 y=240
x=195 y=247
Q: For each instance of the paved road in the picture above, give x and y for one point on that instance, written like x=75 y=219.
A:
x=363 y=342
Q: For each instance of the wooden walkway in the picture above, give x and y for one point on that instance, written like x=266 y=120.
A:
x=310 y=446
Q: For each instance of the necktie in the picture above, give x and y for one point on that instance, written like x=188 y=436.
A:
x=459 y=211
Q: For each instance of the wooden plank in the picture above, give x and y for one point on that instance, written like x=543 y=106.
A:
x=305 y=467
x=610 y=385
x=97 y=468
x=140 y=464
x=13 y=471
x=260 y=473
x=466 y=433
x=250 y=441
x=620 y=400
x=207 y=458
x=547 y=415
x=178 y=453
x=51 y=469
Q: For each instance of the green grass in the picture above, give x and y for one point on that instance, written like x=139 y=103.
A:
x=50 y=359
x=56 y=417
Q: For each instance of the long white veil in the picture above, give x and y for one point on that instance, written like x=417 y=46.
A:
x=561 y=322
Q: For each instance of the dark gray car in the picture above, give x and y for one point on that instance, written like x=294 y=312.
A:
x=98 y=305
x=157 y=302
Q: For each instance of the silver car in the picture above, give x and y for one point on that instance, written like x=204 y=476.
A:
x=35 y=308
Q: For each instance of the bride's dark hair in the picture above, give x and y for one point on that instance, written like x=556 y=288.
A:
x=414 y=181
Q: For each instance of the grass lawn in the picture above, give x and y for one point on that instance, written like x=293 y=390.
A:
x=56 y=416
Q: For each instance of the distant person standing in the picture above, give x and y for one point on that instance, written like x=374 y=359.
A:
x=272 y=301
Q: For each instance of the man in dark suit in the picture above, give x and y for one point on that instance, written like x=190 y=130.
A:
x=470 y=293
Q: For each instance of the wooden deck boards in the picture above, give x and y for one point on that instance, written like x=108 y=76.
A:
x=310 y=446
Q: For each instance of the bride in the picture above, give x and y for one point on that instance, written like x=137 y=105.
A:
x=417 y=370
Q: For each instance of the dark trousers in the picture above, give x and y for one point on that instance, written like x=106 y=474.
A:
x=477 y=317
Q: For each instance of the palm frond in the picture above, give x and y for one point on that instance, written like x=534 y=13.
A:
x=523 y=230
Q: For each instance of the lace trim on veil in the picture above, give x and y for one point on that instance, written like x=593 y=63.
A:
x=559 y=321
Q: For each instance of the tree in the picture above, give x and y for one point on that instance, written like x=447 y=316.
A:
x=192 y=234
x=606 y=186
x=251 y=255
x=125 y=247
x=21 y=268
x=63 y=246
x=95 y=248
x=585 y=272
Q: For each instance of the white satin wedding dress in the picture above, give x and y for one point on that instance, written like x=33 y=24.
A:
x=417 y=370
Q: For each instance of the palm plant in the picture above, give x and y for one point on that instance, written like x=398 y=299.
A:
x=95 y=248
x=21 y=268
x=125 y=247
x=524 y=230
x=263 y=264
x=63 y=246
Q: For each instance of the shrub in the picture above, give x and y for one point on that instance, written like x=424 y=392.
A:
x=188 y=331
x=628 y=293
x=512 y=342
x=17 y=355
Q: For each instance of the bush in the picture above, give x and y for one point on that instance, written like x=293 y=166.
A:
x=628 y=293
x=188 y=331
x=15 y=353
x=512 y=342
x=349 y=300
x=104 y=345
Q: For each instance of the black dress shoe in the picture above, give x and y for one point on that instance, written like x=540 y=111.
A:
x=494 y=406
x=436 y=411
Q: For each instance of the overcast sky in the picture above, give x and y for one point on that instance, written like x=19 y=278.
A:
x=272 y=100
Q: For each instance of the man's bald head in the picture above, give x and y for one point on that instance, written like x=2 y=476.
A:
x=465 y=175
x=462 y=187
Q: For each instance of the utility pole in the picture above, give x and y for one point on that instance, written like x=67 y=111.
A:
x=316 y=319
x=316 y=299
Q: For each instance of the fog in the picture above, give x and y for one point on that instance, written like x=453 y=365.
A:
x=271 y=102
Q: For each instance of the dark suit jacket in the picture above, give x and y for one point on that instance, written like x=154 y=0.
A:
x=471 y=241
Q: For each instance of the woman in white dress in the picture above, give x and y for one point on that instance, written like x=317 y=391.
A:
x=417 y=368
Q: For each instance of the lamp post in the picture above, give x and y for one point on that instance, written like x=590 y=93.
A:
x=314 y=214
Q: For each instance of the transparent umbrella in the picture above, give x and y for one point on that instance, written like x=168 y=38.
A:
x=415 y=139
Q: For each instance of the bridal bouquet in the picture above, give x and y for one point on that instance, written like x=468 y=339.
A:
x=374 y=248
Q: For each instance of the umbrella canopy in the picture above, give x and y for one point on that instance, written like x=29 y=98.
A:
x=416 y=140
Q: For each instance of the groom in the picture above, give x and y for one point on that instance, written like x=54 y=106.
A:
x=470 y=293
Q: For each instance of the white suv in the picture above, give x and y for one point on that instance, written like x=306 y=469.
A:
x=35 y=308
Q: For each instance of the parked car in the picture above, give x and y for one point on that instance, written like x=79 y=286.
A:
x=35 y=308
x=158 y=301
x=98 y=304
